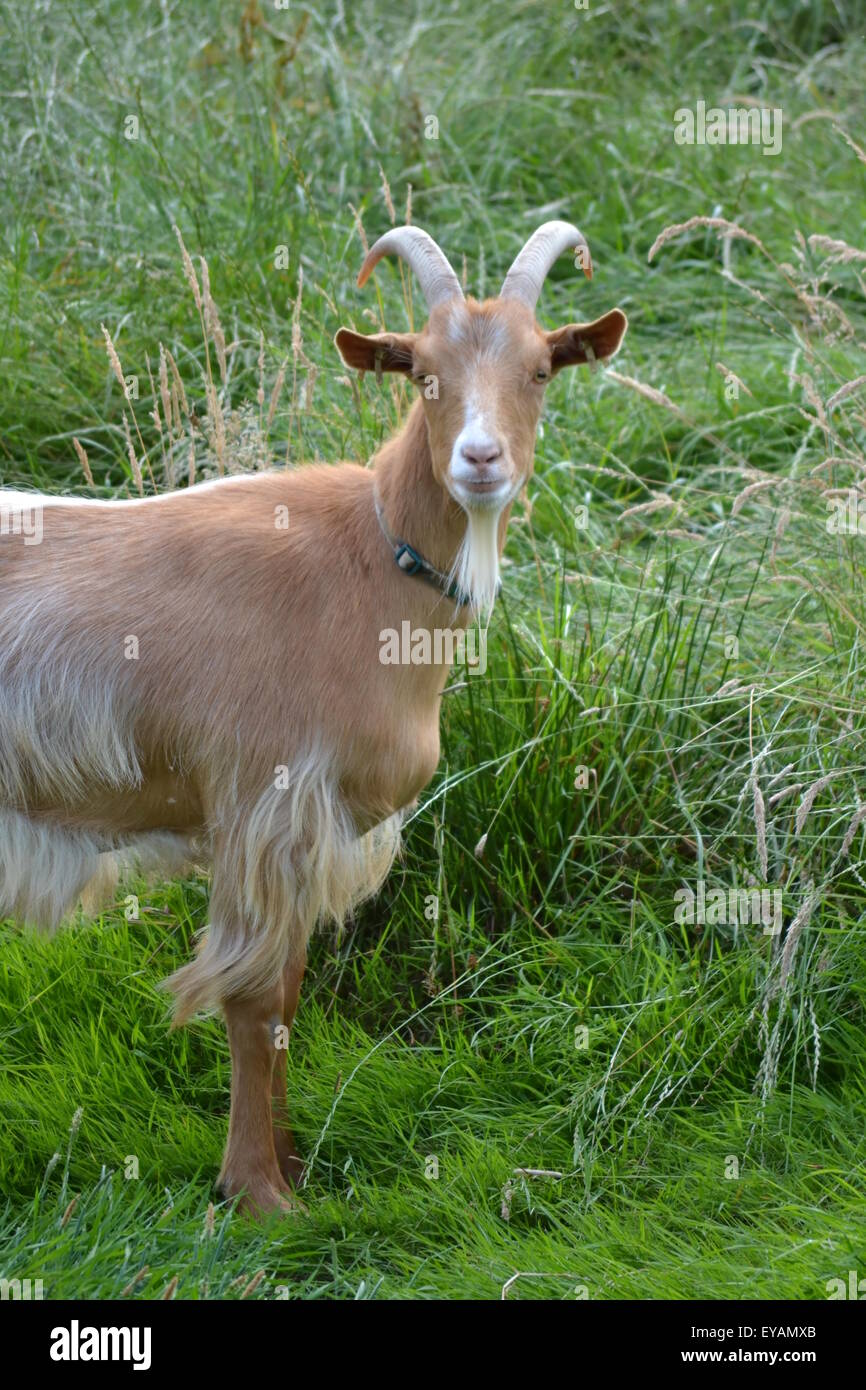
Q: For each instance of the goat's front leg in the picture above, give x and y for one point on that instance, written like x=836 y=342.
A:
x=250 y=1162
x=290 y=1164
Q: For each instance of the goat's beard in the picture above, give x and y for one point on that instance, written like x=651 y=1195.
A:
x=476 y=564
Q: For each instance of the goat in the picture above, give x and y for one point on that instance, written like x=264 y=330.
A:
x=184 y=678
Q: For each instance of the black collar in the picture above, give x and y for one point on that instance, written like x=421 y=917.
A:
x=411 y=562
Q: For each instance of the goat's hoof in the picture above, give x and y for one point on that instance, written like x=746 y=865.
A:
x=273 y=1202
x=260 y=1198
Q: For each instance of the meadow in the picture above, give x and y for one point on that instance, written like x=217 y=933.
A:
x=523 y=1058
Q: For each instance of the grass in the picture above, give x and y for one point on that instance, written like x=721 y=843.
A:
x=675 y=674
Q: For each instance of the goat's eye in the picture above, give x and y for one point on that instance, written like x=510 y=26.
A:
x=541 y=374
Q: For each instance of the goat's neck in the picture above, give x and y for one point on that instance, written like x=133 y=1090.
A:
x=415 y=507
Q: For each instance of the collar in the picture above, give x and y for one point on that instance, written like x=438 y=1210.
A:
x=412 y=562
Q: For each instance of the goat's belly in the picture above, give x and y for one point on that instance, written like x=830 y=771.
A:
x=164 y=801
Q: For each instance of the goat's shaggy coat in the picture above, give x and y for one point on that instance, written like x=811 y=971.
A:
x=136 y=726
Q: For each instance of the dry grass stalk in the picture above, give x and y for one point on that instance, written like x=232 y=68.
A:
x=309 y=386
x=729 y=687
x=835 y=459
x=849 y=388
x=821 y=114
x=83 y=460
x=276 y=392
x=747 y=492
x=645 y=508
x=299 y=357
x=128 y=1288
x=808 y=801
x=178 y=386
x=359 y=228
x=156 y=417
x=718 y=224
x=253 y=1284
x=784 y=794
x=133 y=461
x=795 y=931
x=212 y=320
x=216 y=421
x=175 y=411
x=760 y=825
x=68 y=1212
x=208 y=1223
x=783 y=772
x=386 y=194
x=781 y=528
x=835 y=252
x=732 y=376
x=297 y=334
x=859 y=817
x=748 y=289
x=114 y=359
x=648 y=392
x=189 y=270
x=164 y=393
x=861 y=154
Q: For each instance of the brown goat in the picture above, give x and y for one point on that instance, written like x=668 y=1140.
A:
x=200 y=674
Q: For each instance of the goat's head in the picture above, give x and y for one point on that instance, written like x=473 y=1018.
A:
x=481 y=369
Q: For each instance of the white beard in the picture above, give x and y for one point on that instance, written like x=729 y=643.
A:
x=476 y=564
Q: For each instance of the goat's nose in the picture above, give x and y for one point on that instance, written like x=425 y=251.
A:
x=480 y=452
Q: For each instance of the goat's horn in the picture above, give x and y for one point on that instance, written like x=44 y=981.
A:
x=420 y=252
x=529 y=271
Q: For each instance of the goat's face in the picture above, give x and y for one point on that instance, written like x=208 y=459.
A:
x=481 y=371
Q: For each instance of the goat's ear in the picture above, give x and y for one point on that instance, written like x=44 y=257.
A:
x=370 y=352
x=585 y=342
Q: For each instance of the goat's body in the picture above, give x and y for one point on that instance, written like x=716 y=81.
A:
x=178 y=678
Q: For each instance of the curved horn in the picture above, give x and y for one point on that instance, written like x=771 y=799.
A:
x=529 y=271
x=420 y=252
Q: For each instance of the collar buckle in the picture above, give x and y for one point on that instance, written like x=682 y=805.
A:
x=408 y=560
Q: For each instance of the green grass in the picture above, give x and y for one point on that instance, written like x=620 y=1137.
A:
x=440 y=1036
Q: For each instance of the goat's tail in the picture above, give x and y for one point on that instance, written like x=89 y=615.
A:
x=294 y=860
x=47 y=869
